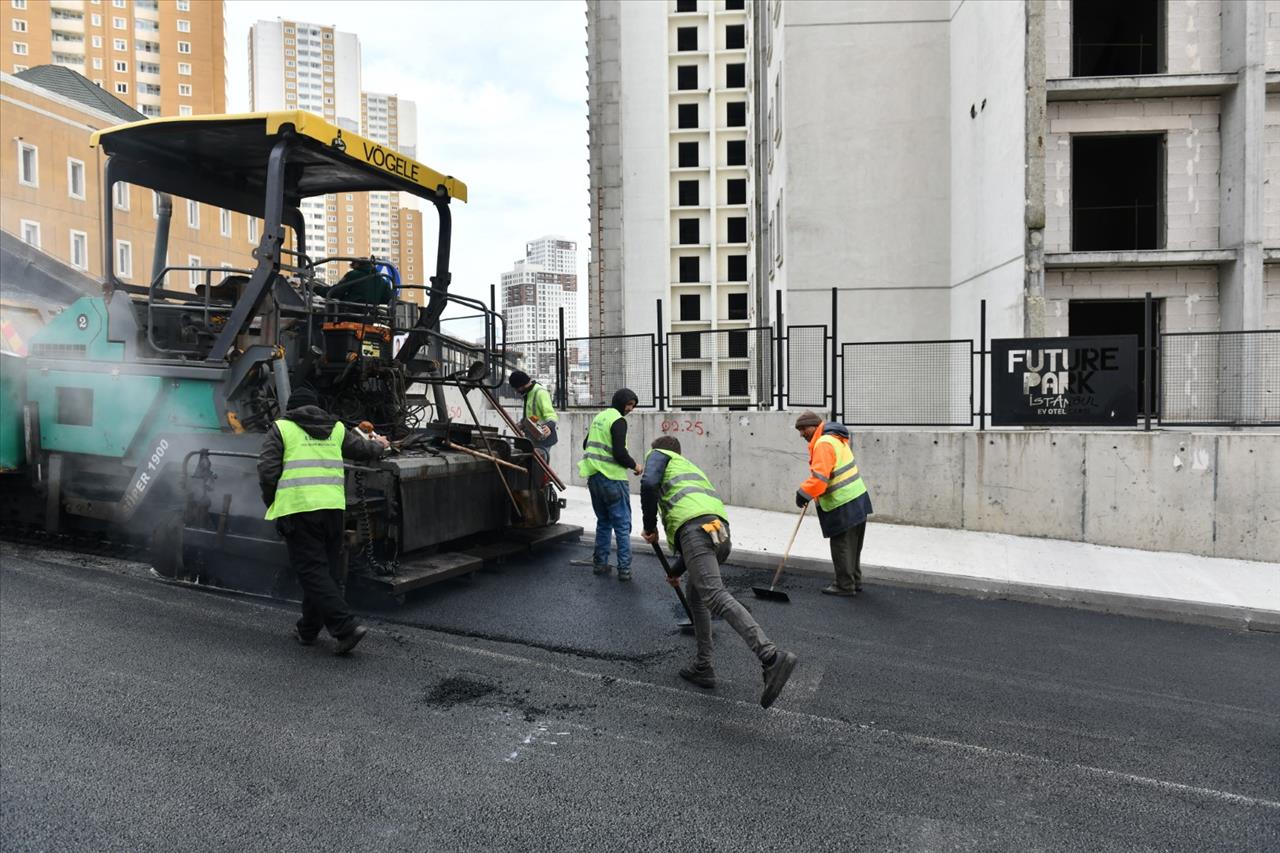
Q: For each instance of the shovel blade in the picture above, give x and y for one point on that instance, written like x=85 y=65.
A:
x=770 y=594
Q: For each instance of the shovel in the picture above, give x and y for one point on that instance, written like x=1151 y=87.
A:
x=686 y=624
x=772 y=593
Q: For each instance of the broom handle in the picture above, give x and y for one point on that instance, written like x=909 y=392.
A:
x=791 y=542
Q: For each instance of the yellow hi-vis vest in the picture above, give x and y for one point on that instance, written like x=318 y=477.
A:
x=537 y=405
x=598 y=458
x=313 y=477
x=845 y=483
x=685 y=494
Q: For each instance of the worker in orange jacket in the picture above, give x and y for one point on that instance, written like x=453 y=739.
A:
x=843 y=503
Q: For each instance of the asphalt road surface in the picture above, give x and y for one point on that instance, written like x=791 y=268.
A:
x=536 y=707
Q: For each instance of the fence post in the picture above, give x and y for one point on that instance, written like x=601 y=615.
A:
x=660 y=363
x=562 y=366
x=780 y=328
x=1146 y=362
x=982 y=366
x=835 y=308
x=490 y=330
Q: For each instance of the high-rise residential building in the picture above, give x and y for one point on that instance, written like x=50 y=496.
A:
x=294 y=65
x=164 y=57
x=51 y=188
x=533 y=293
x=393 y=122
x=670 y=93
x=1058 y=159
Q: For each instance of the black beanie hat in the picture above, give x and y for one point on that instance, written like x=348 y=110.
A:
x=518 y=379
x=303 y=396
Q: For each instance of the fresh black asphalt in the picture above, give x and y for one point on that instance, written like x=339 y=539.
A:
x=536 y=707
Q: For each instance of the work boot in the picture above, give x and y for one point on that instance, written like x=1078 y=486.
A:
x=775 y=676
x=703 y=676
x=839 y=590
x=349 y=641
x=303 y=639
x=624 y=574
x=601 y=569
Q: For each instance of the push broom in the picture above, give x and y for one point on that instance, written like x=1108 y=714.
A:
x=772 y=593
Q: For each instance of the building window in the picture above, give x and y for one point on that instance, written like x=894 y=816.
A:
x=735 y=75
x=20 y=48
x=19 y=25
x=194 y=276
x=19 y=4
x=184 y=110
x=193 y=214
x=18 y=69
x=184 y=90
x=120 y=44
x=737 y=382
x=686 y=38
x=735 y=37
x=120 y=195
x=121 y=66
x=686 y=76
x=30 y=232
x=119 y=23
x=1116 y=39
x=690 y=270
x=1117 y=192
x=691 y=383
x=96 y=20
x=120 y=4
x=688 y=191
x=777 y=230
x=736 y=191
x=738 y=344
x=28 y=165
x=736 y=114
x=122 y=88
x=733 y=5
x=251 y=228
x=184 y=47
x=97 y=41
x=184 y=5
x=97 y=63
x=79 y=250
x=687 y=115
x=737 y=229
x=184 y=68
x=75 y=178
x=736 y=152
x=690 y=345
x=681 y=5
x=687 y=154
x=689 y=232
x=737 y=268
x=184 y=26
x=690 y=306
x=224 y=221
x=124 y=259
x=738 y=304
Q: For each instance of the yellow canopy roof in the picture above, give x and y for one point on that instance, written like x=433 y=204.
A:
x=220 y=151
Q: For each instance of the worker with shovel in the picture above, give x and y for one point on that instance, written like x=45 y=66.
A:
x=698 y=530
x=539 y=421
x=843 y=502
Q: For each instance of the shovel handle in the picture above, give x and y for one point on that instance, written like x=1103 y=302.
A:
x=671 y=579
x=790 y=542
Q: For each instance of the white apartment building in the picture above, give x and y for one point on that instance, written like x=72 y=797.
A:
x=533 y=293
x=295 y=65
x=669 y=88
x=393 y=122
x=1057 y=158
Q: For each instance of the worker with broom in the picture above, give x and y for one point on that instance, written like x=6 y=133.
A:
x=698 y=530
x=843 y=502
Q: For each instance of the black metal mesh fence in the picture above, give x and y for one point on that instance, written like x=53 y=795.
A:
x=720 y=368
x=908 y=383
x=807 y=362
x=1220 y=378
x=599 y=366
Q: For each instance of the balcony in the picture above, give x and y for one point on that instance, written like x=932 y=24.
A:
x=1137 y=86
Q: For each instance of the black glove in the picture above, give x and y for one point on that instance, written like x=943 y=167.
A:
x=802 y=500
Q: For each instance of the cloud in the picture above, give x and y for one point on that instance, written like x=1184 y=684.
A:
x=501 y=95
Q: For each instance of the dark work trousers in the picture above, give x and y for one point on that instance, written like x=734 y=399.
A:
x=707 y=595
x=543 y=447
x=846 y=556
x=314 y=540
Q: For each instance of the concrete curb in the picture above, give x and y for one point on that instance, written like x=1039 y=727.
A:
x=1169 y=609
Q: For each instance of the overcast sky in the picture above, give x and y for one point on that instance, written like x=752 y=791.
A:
x=501 y=95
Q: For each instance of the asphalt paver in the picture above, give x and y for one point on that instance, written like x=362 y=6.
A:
x=535 y=706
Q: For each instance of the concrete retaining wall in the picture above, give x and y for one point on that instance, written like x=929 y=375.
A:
x=1209 y=493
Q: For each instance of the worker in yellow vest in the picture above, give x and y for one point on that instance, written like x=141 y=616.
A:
x=605 y=463
x=697 y=529
x=304 y=487
x=843 y=502
x=540 y=420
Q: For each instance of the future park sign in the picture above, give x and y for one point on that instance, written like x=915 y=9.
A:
x=1079 y=381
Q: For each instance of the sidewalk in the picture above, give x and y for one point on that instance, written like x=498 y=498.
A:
x=1161 y=584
